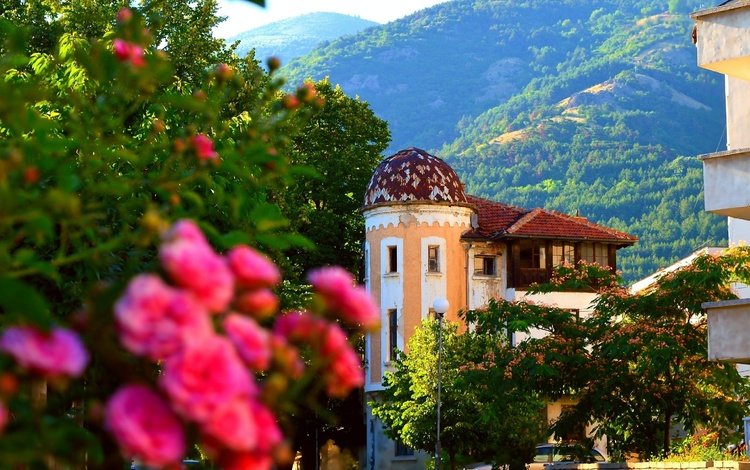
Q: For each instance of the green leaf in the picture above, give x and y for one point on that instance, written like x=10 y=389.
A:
x=268 y=217
x=234 y=238
x=299 y=241
x=21 y=303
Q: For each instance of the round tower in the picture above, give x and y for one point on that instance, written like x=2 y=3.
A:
x=415 y=212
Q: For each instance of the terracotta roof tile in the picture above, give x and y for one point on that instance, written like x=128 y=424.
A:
x=500 y=221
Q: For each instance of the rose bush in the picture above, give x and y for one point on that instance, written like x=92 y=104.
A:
x=125 y=335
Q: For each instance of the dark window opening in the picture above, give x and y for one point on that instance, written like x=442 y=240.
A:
x=392 y=259
x=484 y=266
x=392 y=333
x=533 y=254
x=403 y=451
x=433 y=259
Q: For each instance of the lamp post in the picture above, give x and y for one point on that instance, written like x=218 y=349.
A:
x=440 y=305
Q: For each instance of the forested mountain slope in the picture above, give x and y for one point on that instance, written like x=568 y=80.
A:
x=575 y=105
x=293 y=37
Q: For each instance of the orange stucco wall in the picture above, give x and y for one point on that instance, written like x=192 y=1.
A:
x=411 y=232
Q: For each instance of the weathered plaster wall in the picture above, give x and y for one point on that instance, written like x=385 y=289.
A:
x=722 y=45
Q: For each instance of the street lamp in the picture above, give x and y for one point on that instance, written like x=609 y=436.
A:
x=440 y=306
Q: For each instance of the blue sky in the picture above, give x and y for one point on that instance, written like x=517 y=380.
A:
x=242 y=15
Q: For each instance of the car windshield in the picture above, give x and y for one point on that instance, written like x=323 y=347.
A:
x=568 y=453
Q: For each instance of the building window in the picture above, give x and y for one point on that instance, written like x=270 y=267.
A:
x=392 y=333
x=393 y=259
x=403 y=451
x=563 y=252
x=595 y=253
x=484 y=266
x=433 y=259
x=533 y=254
x=367 y=265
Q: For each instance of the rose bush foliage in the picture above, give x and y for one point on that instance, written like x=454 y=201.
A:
x=138 y=321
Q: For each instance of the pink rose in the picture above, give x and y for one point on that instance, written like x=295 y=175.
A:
x=246 y=461
x=129 y=52
x=344 y=374
x=121 y=49
x=299 y=327
x=233 y=426
x=185 y=229
x=56 y=353
x=252 y=341
x=155 y=320
x=265 y=420
x=334 y=341
x=195 y=266
x=144 y=426
x=353 y=304
x=4 y=416
x=331 y=282
x=252 y=269
x=261 y=303
x=204 y=148
x=204 y=376
x=124 y=15
x=358 y=308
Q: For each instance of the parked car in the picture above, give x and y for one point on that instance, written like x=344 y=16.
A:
x=551 y=453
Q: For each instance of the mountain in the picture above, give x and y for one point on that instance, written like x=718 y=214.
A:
x=585 y=106
x=295 y=37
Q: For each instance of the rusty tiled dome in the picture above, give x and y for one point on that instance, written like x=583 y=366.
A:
x=413 y=175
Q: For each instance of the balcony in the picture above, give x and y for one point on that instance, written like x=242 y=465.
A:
x=725 y=182
x=723 y=38
x=729 y=330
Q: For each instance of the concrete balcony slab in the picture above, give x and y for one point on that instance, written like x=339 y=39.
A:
x=723 y=38
x=726 y=183
x=729 y=330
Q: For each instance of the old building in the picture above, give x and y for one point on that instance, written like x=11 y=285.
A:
x=427 y=239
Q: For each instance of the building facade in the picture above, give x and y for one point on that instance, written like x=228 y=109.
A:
x=722 y=37
x=427 y=239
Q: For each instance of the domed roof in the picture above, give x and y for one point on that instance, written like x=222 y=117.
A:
x=413 y=175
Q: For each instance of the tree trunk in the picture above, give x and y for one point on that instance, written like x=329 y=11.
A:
x=452 y=458
x=667 y=429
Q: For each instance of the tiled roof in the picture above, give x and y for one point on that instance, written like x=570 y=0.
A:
x=414 y=175
x=493 y=218
x=501 y=221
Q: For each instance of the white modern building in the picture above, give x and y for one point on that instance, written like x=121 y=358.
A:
x=722 y=37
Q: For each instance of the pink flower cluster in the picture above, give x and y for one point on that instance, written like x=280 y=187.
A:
x=204 y=148
x=130 y=52
x=54 y=354
x=342 y=370
x=208 y=379
x=352 y=303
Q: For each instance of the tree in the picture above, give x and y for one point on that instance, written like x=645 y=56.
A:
x=104 y=142
x=638 y=364
x=483 y=415
x=649 y=359
x=342 y=145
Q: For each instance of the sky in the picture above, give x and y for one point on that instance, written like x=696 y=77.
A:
x=243 y=15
